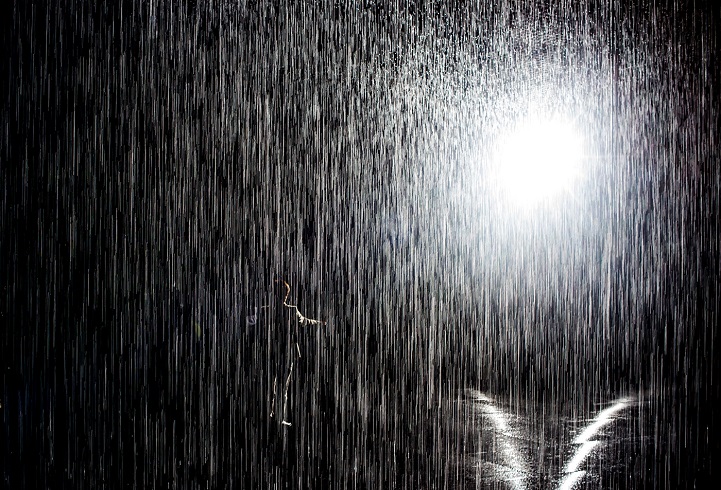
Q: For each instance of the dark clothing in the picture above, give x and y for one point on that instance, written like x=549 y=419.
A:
x=274 y=335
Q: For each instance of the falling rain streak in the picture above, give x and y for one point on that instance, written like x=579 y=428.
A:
x=359 y=245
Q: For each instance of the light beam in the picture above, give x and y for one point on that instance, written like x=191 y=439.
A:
x=538 y=159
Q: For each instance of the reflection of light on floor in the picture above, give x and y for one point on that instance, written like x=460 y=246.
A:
x=514 y=468
x=571 y=479
x=585 y=439
x=603 y=418
x=580 y=456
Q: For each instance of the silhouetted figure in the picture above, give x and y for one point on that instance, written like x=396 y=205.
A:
x=283 y=348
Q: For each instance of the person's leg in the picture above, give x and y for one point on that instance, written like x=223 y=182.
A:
x=285 y=397
x=272 y=397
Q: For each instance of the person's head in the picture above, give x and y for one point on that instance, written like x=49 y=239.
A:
x=273 y=291
x=281 y=290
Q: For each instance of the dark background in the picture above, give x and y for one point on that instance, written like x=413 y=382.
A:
x=160 y=163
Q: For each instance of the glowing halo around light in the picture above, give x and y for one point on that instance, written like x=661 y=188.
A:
x=538 y=160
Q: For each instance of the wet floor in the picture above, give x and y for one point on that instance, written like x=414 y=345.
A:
x=534 y=446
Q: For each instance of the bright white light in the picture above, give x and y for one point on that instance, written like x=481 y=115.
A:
x=539 y=159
